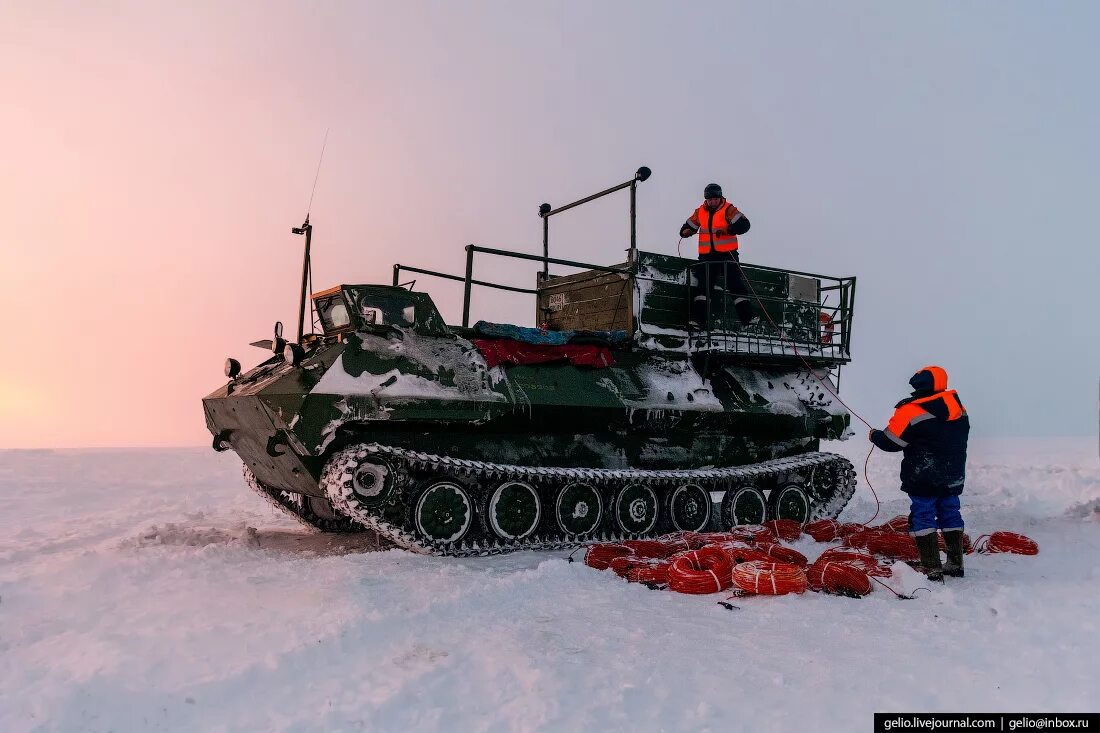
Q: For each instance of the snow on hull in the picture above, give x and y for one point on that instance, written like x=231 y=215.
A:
x=433 y=355
x=133 y=598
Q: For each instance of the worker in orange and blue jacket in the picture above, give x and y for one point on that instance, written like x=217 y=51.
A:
x=717 y=222
x=931 y=428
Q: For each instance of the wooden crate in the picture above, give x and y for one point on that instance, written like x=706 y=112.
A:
x=592 y=300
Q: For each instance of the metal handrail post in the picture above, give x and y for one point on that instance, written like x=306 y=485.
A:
x=848 y=320
x=725 y=295
x=706 y=273
x=468 y=286
x=397 y=276
x=545 y=211
x=306 y=229
x=633 y=218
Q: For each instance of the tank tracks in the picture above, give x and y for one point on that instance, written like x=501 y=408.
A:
x=301 y=508
x=829 y=482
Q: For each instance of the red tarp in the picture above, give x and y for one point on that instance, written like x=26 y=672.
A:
x=507 y=351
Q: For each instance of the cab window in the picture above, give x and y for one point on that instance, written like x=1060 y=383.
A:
x=384 y=309
x=333 y=311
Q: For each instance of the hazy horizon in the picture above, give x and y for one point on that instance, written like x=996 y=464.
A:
x=158 y=155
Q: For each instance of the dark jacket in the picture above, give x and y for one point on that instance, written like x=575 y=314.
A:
x=932 y=428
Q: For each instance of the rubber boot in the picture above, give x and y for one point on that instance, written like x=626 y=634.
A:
x=929 y=547
x=953 y=541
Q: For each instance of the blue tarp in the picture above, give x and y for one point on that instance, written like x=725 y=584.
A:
x=538 y=336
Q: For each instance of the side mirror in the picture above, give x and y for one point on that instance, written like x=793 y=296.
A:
x=278 y=343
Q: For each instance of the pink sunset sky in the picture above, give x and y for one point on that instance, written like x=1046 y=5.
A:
x=156 y=155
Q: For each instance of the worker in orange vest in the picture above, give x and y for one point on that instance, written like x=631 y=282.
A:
x=717 y=222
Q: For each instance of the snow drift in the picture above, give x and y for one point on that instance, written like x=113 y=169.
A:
x=148 y=590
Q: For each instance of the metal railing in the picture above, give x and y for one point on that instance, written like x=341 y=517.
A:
x=546 y=211
x=827 y=338
x=472 y=249
x=811 y=337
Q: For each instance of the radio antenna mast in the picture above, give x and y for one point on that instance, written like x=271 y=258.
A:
x=307 y=229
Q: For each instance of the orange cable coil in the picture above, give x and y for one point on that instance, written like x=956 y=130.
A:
x=896 y=546
x=785 y=529
x=600 y=556
x=838 y=576
x=783 y=554
x=769 y=578
x=707 y=570
x=1012 y=542
x=863 y=560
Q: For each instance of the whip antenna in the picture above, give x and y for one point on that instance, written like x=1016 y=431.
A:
x=317 y=175
x=307 y=229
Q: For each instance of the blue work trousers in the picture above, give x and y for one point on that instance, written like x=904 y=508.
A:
x=929 y=513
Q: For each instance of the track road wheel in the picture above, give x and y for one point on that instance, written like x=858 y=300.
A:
x=442 y=512
x=578 y=510
x=513 y=510
x=372 y=482
x=790 y=502
x=744 y=505
x=635 y=509
x=689 y=508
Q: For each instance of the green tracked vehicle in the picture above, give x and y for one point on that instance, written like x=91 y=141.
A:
x=613 y=419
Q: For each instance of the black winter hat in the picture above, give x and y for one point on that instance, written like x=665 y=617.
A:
x=712 y=191
x=921 y=382
x=928 y=381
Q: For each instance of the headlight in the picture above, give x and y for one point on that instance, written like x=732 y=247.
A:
x=232 y=368
x=293 y=353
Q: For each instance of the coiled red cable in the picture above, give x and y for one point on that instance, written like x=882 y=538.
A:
x=823 y=530
x=828 y=530
x=862 y=537
x=600 y=556
x=707 y=570
x=619 y=565
x=899 y=523
x=785 y=529
x=896 y=546
x=739 y=552
x=864 y=560
x=640 y=569
x=1012 y=542
x=744 y=533
x=837 y=576
x=769 y=578
x=651 y=548
x=697 y=540
x=657 y=573
x=783 y=554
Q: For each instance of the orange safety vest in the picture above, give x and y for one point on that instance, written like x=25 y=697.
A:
x=911 y=413
x=712 y=229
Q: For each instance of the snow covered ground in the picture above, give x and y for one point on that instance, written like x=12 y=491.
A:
x=148 y=590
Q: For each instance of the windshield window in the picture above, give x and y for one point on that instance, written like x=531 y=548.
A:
x=333 y=312
x=385 y=310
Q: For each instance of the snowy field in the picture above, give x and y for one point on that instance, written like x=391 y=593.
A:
x=148 y=590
